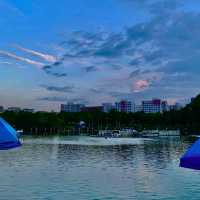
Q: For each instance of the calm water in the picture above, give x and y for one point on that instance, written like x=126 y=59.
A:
x=83 y=168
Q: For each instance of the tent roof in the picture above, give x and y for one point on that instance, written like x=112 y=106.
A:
x=191 y=159
x=8 y=136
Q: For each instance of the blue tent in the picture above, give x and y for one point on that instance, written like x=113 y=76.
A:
x=191 y=159
x=8 y=136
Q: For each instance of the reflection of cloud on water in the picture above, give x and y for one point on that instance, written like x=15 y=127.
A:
x=86 y=141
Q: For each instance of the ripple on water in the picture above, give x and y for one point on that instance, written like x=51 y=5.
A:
x=93 y=141
x=86 y=168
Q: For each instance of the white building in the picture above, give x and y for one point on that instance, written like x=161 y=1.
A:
x=125 y=106
x=152 y=106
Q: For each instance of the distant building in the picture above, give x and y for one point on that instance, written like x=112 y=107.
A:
x=30 y=110
x=176 y=106
x=71 y=107
x=165 y=106
x=125 y=106
x=138 y=108
x=14 y=109
x=107 y=107
x=1 y=109
x=92 y=109
x=152 y=106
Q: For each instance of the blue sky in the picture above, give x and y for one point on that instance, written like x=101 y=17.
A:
x=91 y=51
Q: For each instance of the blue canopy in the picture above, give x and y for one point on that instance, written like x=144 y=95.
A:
x=191 y=159
x=8 y=136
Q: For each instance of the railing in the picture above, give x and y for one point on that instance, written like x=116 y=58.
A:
x=61 y=131
x=93 y=132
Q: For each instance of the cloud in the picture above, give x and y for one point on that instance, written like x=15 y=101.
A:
x=145 y=59
x=46 y=57
x=113 y=46
x=63 y=99
x=22 y=59
x=91 y=69
x=78 y=100
x=135 y=73
x=64 y=89
x=155 y=7
x=53 y=98
x=5 y=63
x=45 y=67
x=48 y=70
x=141 y=85
x=97 y=91
x=56 y=74
x=116 y=67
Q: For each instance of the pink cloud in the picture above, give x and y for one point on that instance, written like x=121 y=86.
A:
x=141 y=85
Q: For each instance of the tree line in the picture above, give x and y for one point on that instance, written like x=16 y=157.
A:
x=186 y=119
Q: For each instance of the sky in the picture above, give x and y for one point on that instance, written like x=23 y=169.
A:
x=88 y=51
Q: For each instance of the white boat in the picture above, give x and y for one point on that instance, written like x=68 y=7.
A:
x=19 y=133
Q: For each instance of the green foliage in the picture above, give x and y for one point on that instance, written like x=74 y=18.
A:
x=97 y=119
x=187 y=119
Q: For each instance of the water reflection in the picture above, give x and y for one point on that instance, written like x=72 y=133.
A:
x=51 y=168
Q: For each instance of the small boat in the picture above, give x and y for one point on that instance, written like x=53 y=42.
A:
x=19 y=133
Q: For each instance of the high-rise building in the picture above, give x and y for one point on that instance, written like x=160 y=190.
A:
x=152 y=106
x=71 y=107
x=125 y=106
x=107 y=107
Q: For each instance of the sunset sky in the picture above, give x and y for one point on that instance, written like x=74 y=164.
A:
x=91 y=51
